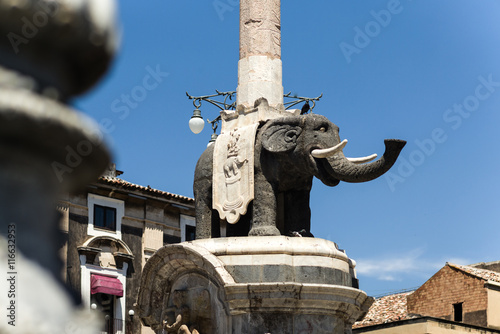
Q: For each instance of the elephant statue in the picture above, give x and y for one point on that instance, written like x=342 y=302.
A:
x=289 y=152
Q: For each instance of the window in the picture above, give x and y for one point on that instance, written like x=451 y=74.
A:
x=188 y=228
x=190 y=233
x=106 y=305
x=104 y=217
x=105 y=309
x=103 y=289
x=457 y=312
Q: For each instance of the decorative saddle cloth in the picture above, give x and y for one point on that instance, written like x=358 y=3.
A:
x=233 y=177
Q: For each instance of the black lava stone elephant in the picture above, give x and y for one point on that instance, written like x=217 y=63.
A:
x=289 y=152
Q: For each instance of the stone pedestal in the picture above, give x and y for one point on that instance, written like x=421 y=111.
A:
x=277 y=285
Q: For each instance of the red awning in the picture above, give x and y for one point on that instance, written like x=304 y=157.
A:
x=106 y=284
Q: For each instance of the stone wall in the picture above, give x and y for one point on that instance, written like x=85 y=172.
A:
x=132 y=236
x=76 y=236
x=447 y=287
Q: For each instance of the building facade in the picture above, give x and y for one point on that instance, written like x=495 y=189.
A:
x=459 y=293
x=458 y=299
x=110 y=230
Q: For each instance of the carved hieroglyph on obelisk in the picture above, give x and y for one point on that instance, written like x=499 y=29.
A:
x=259 y=68
x=259 y=76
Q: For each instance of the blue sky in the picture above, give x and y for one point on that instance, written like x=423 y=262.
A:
x=420 y=70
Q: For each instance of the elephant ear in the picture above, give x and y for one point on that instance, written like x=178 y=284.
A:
x=280 y=138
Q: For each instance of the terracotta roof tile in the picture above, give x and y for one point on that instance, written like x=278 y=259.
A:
x=386 y=309
x=487 y=275
x=117 y=182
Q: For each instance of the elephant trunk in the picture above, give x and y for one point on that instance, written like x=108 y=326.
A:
x=341 y=168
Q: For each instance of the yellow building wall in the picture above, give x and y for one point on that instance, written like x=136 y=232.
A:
x=406 y=329
x=146 y=330
x=428 y=327
x=493 y=312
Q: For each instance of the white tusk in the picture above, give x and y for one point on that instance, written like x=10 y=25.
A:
x=362 y=160
x=328 y=152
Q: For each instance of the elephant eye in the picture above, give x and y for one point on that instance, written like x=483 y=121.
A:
x=290 y=136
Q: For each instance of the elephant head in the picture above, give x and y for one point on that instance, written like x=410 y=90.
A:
x=312 y=144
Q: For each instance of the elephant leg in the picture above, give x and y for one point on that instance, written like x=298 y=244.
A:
x=297 y=213
x=216 y=224
x=264 y=208
x=203 y=208
x=206 y=220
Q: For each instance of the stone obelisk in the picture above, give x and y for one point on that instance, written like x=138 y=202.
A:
x=259 y=67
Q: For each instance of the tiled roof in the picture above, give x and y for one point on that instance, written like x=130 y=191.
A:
x=120 y=183
x=386 y=309
x=487 y=275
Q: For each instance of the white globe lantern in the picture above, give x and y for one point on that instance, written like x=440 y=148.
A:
x=196 y=123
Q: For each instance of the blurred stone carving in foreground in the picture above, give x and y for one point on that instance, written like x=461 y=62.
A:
x=52 y=51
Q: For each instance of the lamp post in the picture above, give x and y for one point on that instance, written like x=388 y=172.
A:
x=197 y=124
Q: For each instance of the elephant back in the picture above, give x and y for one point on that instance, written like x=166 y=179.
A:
x=204 y=166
